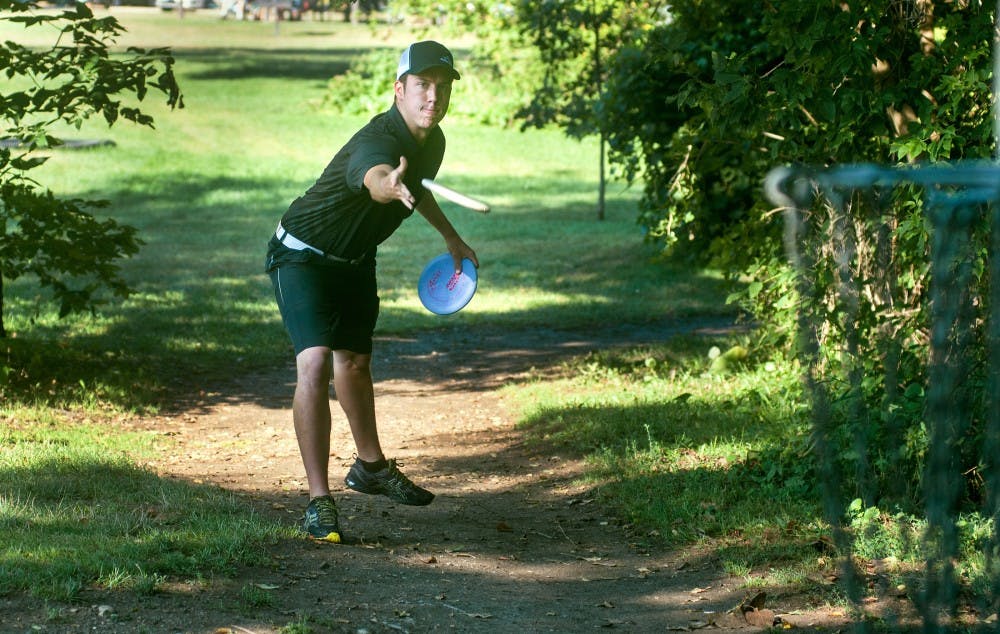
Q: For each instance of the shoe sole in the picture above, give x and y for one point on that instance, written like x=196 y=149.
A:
x=331 y=538
x=360 y=488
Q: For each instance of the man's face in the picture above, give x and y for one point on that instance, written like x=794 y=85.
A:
x=423 y=99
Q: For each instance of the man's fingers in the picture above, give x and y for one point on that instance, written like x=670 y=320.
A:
x=405 y=196
x=397 y=188
x=402 y=190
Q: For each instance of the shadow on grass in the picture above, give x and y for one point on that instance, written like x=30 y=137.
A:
x=699 y=469
x=68 y=521
x=289 y=63
x=691 y=465
x=230 y=63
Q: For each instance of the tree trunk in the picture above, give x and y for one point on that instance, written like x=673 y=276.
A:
x=3 y=333
x=602 y=185
x=600 y=88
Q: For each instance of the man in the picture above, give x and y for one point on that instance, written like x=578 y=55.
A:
x=322 y=265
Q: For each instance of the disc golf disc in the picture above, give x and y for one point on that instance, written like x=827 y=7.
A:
x=444 y=291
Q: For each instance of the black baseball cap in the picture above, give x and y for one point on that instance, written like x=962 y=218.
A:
x=420 y=56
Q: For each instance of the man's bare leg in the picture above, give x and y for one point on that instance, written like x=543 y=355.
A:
x=352 y=380
x=311 y=416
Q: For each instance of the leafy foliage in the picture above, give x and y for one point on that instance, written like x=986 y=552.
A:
x=573 y=39
x=708 y=102
x=366 y=87
x=58 y=241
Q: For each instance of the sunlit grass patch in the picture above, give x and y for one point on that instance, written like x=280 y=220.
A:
x=689 y=452
x=76 y=512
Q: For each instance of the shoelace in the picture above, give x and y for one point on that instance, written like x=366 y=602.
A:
x=396 y=476
x=326 y=511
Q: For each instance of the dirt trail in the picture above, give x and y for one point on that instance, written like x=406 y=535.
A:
x=511 y=544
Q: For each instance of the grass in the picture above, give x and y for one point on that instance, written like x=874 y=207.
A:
x=687 y=453
x=76 y=510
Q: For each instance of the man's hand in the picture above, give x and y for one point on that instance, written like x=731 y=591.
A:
x=459 y=251
x=385 y=184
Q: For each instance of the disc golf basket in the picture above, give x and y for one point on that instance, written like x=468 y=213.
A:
x=863 y=316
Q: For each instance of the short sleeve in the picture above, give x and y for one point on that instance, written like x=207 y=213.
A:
x=366 y=152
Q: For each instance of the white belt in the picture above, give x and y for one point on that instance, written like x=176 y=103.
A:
x=295 y=244
x=292 y=242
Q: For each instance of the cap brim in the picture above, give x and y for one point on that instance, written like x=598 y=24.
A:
x=417 y=71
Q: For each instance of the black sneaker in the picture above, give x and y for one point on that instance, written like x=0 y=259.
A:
x=389 y=482
x=320 y=521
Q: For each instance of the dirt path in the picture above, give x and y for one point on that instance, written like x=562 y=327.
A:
x=511 y=544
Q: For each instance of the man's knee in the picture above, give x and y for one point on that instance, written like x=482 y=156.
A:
x=314 y=365
x=352 y=362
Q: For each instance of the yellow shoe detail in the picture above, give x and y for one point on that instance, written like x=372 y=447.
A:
x=333 y=538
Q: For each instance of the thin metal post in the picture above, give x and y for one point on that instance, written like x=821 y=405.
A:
x=996 y=83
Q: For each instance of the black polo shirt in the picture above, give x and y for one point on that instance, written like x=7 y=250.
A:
x=337 y=214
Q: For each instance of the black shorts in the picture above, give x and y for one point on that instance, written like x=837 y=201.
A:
x=327 y=305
